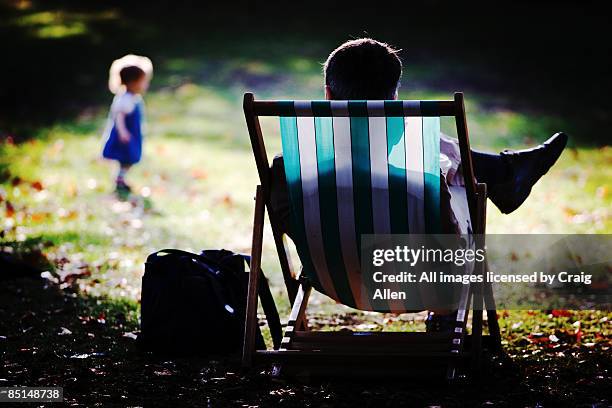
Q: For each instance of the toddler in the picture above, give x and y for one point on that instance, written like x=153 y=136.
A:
x=129 y=79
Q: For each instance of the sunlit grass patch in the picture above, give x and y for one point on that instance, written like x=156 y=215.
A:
x=55 y=24
x=574 y=197
x=195 y=191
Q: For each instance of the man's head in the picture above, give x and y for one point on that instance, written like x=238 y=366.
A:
x=362 y=69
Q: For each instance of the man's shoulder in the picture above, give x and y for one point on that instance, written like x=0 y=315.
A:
x=277 y=170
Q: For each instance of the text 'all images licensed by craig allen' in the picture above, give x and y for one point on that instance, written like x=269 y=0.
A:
x=432 y=273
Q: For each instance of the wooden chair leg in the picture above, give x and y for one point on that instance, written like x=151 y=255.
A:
x=477 y=313
x=493 y=323
x=250 y=324
x=477 y=295
x=487 y=289
x=302 y=322
x=459 y=332
x=298 y=314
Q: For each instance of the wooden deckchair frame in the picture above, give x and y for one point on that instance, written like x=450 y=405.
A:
x=336 y=349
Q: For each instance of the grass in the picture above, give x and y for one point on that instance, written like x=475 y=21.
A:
x=194 y=190
x=195 y=187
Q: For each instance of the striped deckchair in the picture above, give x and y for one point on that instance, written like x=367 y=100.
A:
x=355 y=168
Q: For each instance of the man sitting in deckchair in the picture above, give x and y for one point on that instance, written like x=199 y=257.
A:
x=366 y=69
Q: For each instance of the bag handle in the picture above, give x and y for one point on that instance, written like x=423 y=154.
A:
x=172 y=251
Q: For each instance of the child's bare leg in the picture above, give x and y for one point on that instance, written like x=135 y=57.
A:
x=123 y=169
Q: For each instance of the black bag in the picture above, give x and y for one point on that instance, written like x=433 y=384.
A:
x=195 y=304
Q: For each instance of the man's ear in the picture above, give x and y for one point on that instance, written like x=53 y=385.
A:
x=328 y=93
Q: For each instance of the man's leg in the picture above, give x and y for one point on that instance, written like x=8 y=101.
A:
x=509 y=177
x=490 y=168
x=511 y=174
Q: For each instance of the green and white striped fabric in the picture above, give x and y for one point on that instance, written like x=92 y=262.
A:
x=355 y=168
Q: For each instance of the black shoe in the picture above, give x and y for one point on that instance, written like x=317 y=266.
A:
x=439 y=323
x=526 y=168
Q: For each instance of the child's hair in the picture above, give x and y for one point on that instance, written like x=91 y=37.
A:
x=130 y=74
x=363 y=69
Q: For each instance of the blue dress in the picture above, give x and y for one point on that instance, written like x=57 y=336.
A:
x=130 y=152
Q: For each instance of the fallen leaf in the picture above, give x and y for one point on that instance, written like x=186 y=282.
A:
x=72 y=274
x=561 y=313
x=227 y=200
x=162 y=373
x=10 y=210
x=199 y=174
x=64 y=332
x=101 y=318
x=602 y=192
x=130 y=335
x=37 y=185
x=38 y=217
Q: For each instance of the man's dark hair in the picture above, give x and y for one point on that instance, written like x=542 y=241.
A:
x=363 y=69
x=130 y=74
